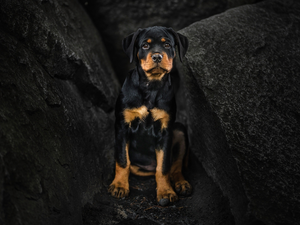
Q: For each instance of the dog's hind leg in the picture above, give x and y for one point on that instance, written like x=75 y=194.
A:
x=180 y=157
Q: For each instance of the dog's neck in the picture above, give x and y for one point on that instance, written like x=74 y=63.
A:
x=150 y=89
x=151 y=84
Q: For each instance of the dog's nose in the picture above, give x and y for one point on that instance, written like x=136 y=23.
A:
x=157 y=57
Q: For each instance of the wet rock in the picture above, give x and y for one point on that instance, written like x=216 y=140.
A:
x=115 y=20
x=57 y=92
x=241 y=74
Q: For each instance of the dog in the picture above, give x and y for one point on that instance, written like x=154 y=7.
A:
x=148 y=140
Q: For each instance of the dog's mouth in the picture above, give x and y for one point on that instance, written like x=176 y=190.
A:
x=157 y=71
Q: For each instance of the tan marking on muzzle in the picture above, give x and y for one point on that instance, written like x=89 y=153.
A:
x=156 y=70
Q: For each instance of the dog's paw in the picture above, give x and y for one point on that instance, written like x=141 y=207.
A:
x=118 y=190
x=164 y=197
x=183 y=188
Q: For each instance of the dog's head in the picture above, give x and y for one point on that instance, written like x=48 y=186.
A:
x=153 y=49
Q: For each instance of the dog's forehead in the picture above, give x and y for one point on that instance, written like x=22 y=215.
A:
x=156 y=33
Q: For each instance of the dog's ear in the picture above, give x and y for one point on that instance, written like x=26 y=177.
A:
x=181 y=42
x=128 y=44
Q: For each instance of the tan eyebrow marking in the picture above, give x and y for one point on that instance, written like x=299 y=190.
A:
x=149 y=41
x=163 y=39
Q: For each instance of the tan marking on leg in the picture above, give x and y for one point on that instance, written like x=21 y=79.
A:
x=119 y=188
x=135 y=170
x=164 y=188
x=131 y=114
x=182 y=187
x=162 y=116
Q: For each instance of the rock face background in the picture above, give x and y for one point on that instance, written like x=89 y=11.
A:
x=117 y=19
x=242 y=82
x=57 y=94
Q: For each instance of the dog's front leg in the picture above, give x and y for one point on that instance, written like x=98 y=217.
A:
x=165 y=192
x=119 y=188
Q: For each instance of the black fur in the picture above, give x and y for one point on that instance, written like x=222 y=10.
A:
x=144 y=137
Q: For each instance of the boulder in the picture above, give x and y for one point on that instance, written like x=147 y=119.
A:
x=242 y=82
x=57 y=91
x=115 y=20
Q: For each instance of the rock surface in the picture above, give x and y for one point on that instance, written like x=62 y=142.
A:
x=117 y=19
x=207 y=205
x=57 y=92
x=242 y=82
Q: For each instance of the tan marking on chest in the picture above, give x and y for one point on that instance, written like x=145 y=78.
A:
x=162 y=116
x=131 y=114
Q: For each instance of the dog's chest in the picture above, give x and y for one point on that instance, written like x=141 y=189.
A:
x=146 y=105
x=147 y=112
x=150 y=99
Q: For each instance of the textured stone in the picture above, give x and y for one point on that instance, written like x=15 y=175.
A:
x=57 y=92
x=117 y=19
x=242 y=82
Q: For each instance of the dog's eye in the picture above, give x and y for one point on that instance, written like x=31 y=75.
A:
x=167 y=45
x=146 y=46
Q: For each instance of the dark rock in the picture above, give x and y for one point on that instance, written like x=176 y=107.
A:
x=117 y=19
x=242 y=82
x=57 y=91
x=206 y=205
x=138 y=222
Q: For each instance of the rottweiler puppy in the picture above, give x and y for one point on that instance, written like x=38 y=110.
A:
x=148 y=140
